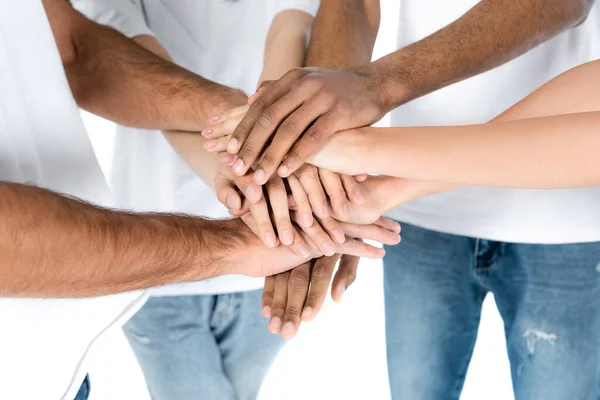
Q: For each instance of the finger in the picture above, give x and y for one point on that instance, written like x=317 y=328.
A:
x=281 y=212
x=317 y=236
x=232 y=112
x=344 y=277
x=260 y=212
x=261 y=89
x=333 y=229
x=216 y=145
x=308 y=144
x=224 y=128
x=242 y=211
x=361 y=177
x=225 y=159
x=297 y=289
x=287 y=133
x=267 y=296
x=300 y=247
x=255 y=118
x=370 y=232
x=227 y=193
x=252 y=191
x=388 y=224
x=300 y=201
x=311 y=182
x=332 y=184
x=319 y=284
x=279 y=303
x=353 y=190
x=356 y=247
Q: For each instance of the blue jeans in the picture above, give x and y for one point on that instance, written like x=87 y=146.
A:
x=203 y=347
x=84 y=390
x=547 y=295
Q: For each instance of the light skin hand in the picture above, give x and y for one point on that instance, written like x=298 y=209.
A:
x=298 y=295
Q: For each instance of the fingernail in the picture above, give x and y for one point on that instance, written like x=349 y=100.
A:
x=210 y=144
x=232 y=146
x=215 y=118
x=238 y=167
x=270 y=239
x=249 y=191
x=275 y=324
x=338 y=235
x=307 y=313
x=360 y=194
x=283 y=171
x=397 y=227
x=206 y=132
x=341 y=292
x=325 y=209
x=288 y=328
x=266 y=311
x=228 y=158
x=287 y=237
x=231 y=202
x=303 y=249
x=259 y=176
x=329 y=248
x=307 y=219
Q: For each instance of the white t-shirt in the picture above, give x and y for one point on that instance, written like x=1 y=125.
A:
x=218 y=39
x=43 y=342
x=528 y=216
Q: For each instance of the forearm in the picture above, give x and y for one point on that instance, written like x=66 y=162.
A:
x=288 y=35
x=344 y=34
x=55 y=246
x=547 y=153
x=490 y=34
x=115 y=78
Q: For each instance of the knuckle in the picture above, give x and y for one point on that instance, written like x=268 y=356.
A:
x=267 y=160
x=267 y=119
x=292 y=312
x=259 y=104
x=289 y=128
x=299 y=278
x=314 y=136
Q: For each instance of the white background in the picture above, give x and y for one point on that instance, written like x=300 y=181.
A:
x=340 y=355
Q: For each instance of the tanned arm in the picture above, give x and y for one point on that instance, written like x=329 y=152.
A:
x=343 y=34
x=115 y=78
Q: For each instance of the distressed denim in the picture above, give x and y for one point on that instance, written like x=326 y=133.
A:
x=547 y=295
x=213 y=347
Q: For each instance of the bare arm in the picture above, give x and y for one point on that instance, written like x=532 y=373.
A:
x=548 y=140
x=286 y=44
x=490 y=34
x=55 y=246
x=113 y=77
x=344 y=34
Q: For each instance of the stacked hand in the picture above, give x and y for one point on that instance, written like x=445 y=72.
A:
x=310 y=208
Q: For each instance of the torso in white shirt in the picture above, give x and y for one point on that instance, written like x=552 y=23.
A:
x=529 y=216
x=43 y=342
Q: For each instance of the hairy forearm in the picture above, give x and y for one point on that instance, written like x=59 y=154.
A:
x=344 y=34
x=287 y=36
x=55 y=246
x=490 y=34
x=115 y=78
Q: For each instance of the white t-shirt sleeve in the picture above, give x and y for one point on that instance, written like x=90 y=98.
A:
x=126 y=16
x=308 y=6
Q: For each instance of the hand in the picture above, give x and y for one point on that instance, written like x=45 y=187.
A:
x=298 y=295
x=308 y=102
x=250 y=257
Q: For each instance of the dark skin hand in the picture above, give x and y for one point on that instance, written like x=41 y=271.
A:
x=295 y=115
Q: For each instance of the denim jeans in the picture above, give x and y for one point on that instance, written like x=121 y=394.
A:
x=84 y=390
x=203 y=347
x=547 y=295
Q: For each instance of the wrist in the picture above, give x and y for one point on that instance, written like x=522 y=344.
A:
x=389 y=91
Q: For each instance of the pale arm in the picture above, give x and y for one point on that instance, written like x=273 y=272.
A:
x=556 y=147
